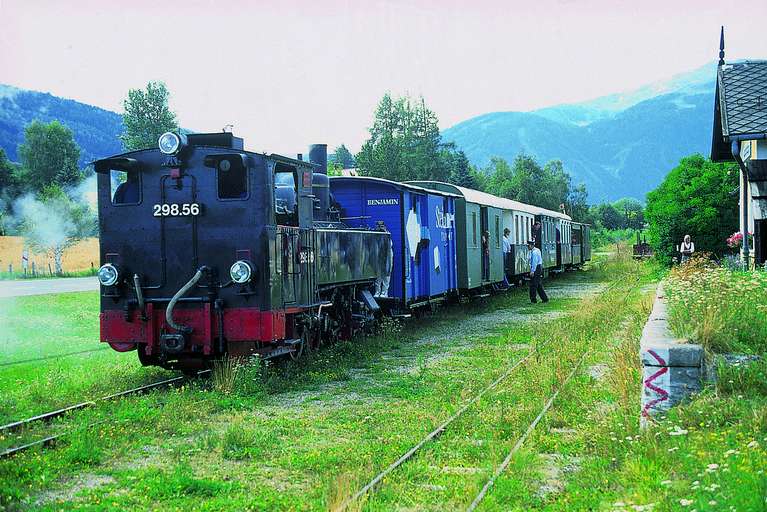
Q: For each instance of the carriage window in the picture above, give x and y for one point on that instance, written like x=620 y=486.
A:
x=474 y=228
x=125 y=187
x=497 y=231
x=232 y=179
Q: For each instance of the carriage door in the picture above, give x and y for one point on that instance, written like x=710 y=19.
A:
x=485 y=242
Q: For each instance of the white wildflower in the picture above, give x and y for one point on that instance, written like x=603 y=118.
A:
x=685 y=502
x=753 y=444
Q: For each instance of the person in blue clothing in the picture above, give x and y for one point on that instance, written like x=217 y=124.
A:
x=536 y=273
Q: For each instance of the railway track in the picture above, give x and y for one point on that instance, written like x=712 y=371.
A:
x=48 y=416
x=371 y=485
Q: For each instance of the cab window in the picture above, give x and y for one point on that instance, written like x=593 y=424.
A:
x=125 y=187
x=232 y=179
x=285 y=195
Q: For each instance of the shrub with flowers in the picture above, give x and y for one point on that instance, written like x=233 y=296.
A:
x=720 y=308
x=735 y=240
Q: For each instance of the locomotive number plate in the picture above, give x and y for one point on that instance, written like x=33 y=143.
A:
x=176 y=210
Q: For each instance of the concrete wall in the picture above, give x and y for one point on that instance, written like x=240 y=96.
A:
x=672 y=368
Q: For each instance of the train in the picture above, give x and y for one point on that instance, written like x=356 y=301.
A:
x=210 y=250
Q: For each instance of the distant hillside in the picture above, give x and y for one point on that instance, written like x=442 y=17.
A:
x=95 y=129
x=619 y=145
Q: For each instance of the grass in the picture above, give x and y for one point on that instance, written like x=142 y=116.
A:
x=303 y=436
x=721 y=309
x=47 y=326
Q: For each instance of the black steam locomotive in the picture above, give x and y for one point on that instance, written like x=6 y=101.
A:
x=209 y=249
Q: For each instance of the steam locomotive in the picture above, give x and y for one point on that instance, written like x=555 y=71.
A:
x=208 y=249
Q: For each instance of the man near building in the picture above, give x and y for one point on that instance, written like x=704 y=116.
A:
x=536 y=273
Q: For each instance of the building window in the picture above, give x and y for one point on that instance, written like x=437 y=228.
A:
x=474 y=228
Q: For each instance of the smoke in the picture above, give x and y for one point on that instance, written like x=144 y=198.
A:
x=52 y=222
x=86 y=192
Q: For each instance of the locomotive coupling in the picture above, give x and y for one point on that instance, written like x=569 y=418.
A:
x=172 y=343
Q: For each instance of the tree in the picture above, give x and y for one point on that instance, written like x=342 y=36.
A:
x=52 y=222
x=609 y=217
x=632 y=211
x=462 y=174
x=694 y=199
x=577 y=205
x=147 y=116
x=48 y=156
x=8 y=190
x=405 y=143
x=343 y=157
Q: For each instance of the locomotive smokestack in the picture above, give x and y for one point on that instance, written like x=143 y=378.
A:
x=318 y=154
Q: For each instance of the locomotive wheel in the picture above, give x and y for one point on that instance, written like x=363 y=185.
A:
x=300 y=346
x=314 y=341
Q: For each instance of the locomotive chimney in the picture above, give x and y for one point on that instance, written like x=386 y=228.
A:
x=318 y=154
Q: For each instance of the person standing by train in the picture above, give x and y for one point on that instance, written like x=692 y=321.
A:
x=486 y=255
x=506 y=255
x=536 y=273
x=687 y=248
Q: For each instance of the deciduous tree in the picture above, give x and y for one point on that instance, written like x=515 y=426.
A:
x=697 y=198
x=147 y=116
x=48 y=156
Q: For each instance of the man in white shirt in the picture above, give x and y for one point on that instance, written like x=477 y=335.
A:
x=536 y=273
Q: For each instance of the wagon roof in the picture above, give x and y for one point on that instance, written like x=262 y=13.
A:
x=483 y=198
x=396 y=184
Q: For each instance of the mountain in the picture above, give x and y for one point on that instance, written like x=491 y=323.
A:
x=95 y=130
x=619 y=145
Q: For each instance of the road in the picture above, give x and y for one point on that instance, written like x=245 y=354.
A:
x=44 y=286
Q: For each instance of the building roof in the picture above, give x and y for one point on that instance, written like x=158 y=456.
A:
x=740 y=105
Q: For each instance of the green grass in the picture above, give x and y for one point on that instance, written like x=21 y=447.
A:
x=8 y=276
x=43 y=326
x=304 y=436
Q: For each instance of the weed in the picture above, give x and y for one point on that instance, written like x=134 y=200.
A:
x=227 y=372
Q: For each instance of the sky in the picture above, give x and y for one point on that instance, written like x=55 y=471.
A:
x=290 y=73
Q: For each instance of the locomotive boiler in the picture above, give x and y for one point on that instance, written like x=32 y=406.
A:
x=208 y=249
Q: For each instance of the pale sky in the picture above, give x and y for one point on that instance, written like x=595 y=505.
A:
x=290 y=73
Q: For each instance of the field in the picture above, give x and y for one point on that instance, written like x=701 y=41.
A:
x=77 y=258
x=305 y=436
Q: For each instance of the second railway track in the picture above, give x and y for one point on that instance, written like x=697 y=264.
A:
x=372 y=486
x=48 y=416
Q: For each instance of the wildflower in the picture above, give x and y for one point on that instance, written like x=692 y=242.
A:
x=666 y=482
x=753 y=444
x=678 y=431
x=685 y=502
x=712 y=503
x=712 y=467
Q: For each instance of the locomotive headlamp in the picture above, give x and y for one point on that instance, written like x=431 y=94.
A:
x=240 y=272
x=108 y=274
x=171 y=143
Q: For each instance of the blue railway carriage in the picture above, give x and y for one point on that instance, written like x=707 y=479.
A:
x=479 y=225
x=423 y=237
